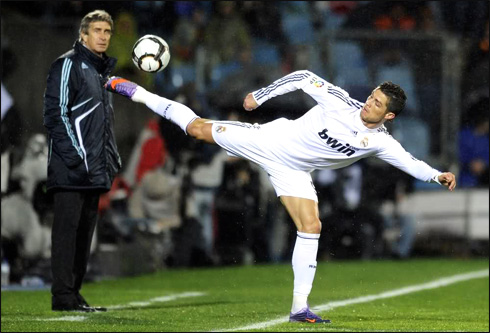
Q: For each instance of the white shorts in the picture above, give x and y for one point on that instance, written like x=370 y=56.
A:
x=248 y=141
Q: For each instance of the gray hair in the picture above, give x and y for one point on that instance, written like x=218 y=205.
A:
x=95 y=16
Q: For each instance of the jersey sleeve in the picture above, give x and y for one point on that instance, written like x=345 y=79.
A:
x=57 y=110
x=393 y=153
x=327 y=95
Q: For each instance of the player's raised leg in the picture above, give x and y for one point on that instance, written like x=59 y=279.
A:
x=304 y=213
x=177 y=113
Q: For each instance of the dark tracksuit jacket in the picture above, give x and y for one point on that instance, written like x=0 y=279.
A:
x=79 y=117
x=83 y=161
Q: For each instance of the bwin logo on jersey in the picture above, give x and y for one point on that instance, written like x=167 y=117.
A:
x=335 y=144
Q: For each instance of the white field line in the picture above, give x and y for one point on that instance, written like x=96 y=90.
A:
x=130 y=305
x=65 y=318
x=369 y=298
x=157 y=300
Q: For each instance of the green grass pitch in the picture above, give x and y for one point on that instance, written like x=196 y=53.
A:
x=258 y=298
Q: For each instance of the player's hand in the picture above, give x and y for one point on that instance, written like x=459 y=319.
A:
x=249 y=103
x=448 y=179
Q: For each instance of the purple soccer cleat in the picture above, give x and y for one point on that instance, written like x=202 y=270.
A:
x=306 y=316
x=121 y=86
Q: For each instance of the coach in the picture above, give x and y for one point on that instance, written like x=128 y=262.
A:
x=83 y=157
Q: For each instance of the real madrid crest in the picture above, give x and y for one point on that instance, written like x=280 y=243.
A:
x=365 y=142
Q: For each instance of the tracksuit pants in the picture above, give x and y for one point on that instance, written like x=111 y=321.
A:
x=75 y=217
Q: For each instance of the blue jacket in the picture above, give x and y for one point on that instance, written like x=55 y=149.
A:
x=79 y=118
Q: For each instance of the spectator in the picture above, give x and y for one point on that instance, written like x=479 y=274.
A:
x=205 y=179
x=156 y=199
x=186 y=43
x=188 y=35
x=144 y=217
x=263 y=19
x=149 y=153
x=399 y=226
x=31 y=169
x=428 y=19
x=25 y=240
x=331 y=15
x=475 y=74
x=354 y=225
x=249 y=74
x=466 y=18
x=155 y=17
x=227 y=37
x=227 y=41
x=12 y=124
x=473 y=146
x=11 y=127
x=122 y=43
x=237 y=200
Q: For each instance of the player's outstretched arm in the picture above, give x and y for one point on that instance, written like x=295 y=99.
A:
x=250 y=103
x=448 y=179
x=291 y=82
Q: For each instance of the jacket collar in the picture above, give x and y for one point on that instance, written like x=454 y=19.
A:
x=103 y=65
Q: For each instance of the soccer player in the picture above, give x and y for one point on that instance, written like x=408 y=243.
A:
x=335 y=133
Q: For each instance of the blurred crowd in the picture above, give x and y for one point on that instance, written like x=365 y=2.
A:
x=189 y=204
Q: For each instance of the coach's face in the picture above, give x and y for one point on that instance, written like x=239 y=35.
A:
x=98 y=36
x=375 y=111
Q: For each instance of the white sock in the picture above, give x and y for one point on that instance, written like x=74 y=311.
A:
x=304 y=268
x=176 y=112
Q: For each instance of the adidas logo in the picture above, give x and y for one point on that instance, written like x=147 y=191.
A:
x=84 y=66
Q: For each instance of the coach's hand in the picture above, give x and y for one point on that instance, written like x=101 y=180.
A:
x=448 y=179
x=249 y=103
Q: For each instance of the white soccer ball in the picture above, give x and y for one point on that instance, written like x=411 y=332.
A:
x=151 y=53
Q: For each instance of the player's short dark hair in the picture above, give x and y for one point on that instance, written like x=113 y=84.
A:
x=95 y=16
x=396 y=96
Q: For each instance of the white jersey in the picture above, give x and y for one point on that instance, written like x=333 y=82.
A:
x=331 y=134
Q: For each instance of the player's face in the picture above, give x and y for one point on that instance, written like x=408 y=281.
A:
x=98 y=37
x=375 y=111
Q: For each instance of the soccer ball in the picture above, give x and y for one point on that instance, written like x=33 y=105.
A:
x=151 y=53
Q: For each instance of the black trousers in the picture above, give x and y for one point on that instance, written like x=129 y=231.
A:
x=75 y=217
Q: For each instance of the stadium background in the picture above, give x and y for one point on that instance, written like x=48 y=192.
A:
x=437 y=51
